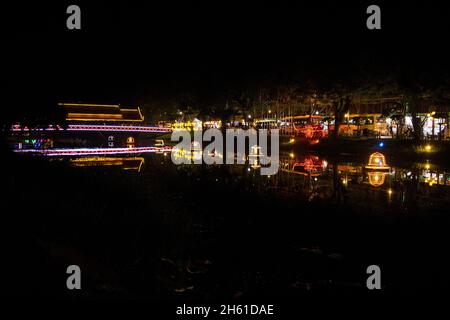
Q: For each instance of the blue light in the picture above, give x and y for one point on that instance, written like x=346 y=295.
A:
x=381 y=144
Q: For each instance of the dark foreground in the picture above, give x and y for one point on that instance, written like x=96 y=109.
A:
x=221 y=233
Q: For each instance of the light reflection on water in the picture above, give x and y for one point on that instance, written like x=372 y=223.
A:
x=310 y=177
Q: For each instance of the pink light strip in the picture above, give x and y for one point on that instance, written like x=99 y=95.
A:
x=94 y=151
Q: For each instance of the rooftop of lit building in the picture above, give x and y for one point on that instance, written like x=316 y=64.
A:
x=101 y=113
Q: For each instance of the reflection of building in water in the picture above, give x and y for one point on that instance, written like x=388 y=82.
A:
x=191 y=155
x=303 y=178
x=435 y=177
x=126 y=163
x=309 y=165
x=425 y=174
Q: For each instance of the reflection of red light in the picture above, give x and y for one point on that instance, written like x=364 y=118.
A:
x=311 y=131
x=311 y=164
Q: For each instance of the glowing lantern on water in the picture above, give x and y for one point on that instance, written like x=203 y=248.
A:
x=130 y=140
x=376 y=179
x=377 y=161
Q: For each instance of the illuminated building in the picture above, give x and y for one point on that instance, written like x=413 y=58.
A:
x=100 y=113
x=195 y=125
x=126 y=163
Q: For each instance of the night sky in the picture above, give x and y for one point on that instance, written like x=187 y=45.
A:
x=154 y=54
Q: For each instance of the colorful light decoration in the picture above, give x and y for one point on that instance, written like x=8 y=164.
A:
x=255 y=151
x=93 y=151
x=113 y=128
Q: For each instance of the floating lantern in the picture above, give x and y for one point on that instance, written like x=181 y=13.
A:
x=377 y=161
x=130 y=140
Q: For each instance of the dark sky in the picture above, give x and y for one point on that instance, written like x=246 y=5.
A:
x=134 y=53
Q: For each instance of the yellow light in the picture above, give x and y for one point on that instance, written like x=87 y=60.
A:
x=89 y=105
x=377 y=161
x=94 y=115
x=433 y=113
x=428 y=147
x=291 y=155
x=389 y=191
x=292 y=141
x=270 y=111
x=427 y=166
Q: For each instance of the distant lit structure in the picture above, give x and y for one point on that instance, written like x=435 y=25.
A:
x=76 y=112
x=195 y=125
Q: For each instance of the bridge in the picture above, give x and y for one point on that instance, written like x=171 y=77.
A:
x=96 y=128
